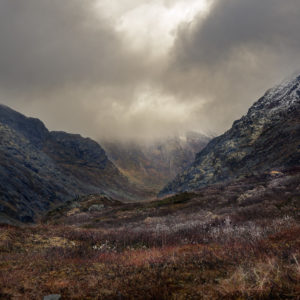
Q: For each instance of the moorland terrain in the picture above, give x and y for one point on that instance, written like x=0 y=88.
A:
x=227 y=227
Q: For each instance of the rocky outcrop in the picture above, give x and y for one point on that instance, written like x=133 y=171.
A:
x=39 y=169
x=32 y=129
x=267 y=138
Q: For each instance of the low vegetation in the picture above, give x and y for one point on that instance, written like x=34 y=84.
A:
x=234 y=241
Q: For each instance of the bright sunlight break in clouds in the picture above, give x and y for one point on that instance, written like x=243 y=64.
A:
x=150 y=24
x=139 y=69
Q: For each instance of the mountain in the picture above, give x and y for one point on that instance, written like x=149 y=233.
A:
x=266 y=139
x=155 y=163
x=39 y=168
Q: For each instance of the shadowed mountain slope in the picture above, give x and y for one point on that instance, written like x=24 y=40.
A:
x=266 y=139
x=39 y=168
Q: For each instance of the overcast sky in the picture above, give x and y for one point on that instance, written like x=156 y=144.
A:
x=144 y=68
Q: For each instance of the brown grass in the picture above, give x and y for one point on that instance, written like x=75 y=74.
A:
x=223 y=242
x=85 y=268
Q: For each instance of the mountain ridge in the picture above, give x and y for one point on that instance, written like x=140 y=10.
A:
x=266 y=137
x=39 y=168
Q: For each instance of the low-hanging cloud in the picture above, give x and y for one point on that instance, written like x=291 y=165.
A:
x=73 y=64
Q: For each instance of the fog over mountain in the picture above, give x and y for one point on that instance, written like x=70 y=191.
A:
x=143 y=69
x=153 y=165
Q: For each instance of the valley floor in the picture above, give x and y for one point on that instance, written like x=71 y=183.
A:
x=265 y=268
x=234 y=241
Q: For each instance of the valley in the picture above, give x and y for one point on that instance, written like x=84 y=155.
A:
x=149 y=150
x=81 y=222
x=155 y=163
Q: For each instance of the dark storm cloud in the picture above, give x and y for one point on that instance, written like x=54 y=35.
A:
x=230 y=57
x=240 y=25
x=53 y=43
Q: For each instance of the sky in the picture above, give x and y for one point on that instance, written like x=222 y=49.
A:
x=141 y=69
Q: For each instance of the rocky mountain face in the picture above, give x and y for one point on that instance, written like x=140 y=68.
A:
x=266 y=139
x=154 y=164
x=39 y=168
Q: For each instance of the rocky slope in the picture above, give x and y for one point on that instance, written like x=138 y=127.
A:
x=154 y=164
x=39 y=168
x=264 y=140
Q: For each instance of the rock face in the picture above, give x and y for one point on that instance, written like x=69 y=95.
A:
x=154 y=164
x=39 y=168
x=267 y=138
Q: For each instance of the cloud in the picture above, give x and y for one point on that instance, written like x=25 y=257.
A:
x=61 y=59
x=143 y=69
x=230 y=57
x=49 y=44
x=241 y=25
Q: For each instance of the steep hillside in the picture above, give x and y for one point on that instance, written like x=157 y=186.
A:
x=39 y=168
x=154 y=164
x=266 y=139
